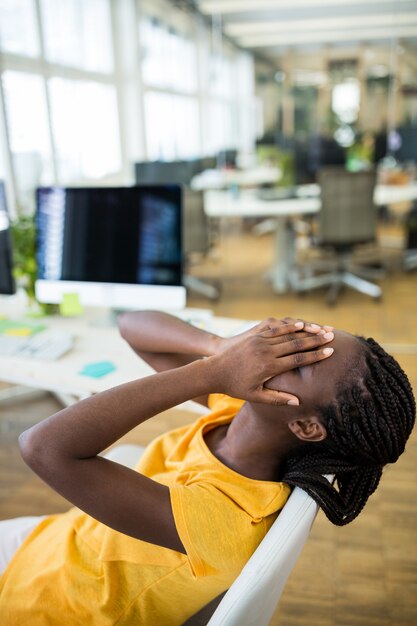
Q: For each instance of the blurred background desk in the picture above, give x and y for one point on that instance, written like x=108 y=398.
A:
x=305 y=201
x=392 y=194
x=224 y=178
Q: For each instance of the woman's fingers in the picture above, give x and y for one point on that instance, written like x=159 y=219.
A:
x=281 y=330
x=316 y=328
x=294 y=342
x=310 y=327
x=277 y=338
x=301 y=359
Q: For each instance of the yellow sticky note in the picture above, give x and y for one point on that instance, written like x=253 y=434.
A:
x=19 y=332
x=70 y=305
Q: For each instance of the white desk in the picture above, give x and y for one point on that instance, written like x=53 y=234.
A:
x=92 y=344
x=384 y=194
x=224 y=178
x=392 y=194
x=223 y=204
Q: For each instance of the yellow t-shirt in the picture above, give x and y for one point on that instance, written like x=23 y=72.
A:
x=76 y=571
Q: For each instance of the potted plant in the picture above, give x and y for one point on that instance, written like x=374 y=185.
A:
x=24 y=261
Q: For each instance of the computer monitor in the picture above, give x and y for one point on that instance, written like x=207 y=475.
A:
x=115 y=247
x=7 y=284
x=165 y=172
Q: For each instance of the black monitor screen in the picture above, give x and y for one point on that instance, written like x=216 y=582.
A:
x=129 y=235
x=7 y=285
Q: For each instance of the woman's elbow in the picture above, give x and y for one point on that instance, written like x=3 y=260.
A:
x=124 y=322
x=33 y=449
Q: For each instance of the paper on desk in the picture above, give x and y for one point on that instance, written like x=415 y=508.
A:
x=98 y=369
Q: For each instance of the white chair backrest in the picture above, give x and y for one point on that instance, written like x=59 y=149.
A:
x=127 y=454
x=254 y=595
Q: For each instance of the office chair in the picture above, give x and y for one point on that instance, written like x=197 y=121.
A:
x=196 y=237
x=254 y=595
x=410 y=260
x=410 y=252
x=346 y=221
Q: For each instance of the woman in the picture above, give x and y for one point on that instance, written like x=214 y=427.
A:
x=154 y=546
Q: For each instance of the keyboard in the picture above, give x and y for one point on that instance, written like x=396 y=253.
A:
x=47 y=345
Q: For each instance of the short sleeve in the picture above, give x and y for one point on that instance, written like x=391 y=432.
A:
x=221 y=402
x=217 y=534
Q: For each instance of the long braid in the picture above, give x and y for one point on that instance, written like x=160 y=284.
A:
x=367 y=428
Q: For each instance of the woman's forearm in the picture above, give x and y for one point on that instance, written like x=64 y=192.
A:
x=158 y=332
x=90 y=426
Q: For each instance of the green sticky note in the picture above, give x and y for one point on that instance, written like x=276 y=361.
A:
x=70 y=305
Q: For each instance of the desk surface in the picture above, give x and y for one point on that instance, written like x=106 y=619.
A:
x=92 y=344
x=391 y=194
x=247 y=204
x=221 y=179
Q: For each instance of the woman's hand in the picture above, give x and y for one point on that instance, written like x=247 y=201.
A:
x=271 y=323
x=270 y=348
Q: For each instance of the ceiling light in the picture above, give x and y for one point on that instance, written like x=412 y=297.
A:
x=241 y=6
x=323 y=37
x=240 y=29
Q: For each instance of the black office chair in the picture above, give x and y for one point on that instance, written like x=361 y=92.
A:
x=410 y=252
x=347 y=220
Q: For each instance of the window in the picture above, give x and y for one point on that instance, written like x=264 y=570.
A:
x=245 y=92
x=172 y=128
x=221 y=76
x=220 y=132
x=28 y=132
x=169 y=60
x=85 y=129
x=78 y=33
x=18 y=34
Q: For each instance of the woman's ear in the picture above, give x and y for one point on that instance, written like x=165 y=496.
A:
x=308 y=428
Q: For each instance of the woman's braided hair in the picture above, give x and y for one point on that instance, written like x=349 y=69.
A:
x=367 y=428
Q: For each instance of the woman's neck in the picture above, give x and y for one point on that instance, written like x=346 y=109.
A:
x=248 y=446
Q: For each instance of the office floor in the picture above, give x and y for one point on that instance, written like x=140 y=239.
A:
x=364 y=574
